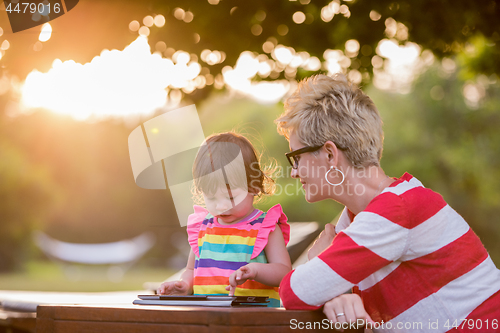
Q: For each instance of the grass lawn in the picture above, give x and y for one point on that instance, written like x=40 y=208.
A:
x=49 y=276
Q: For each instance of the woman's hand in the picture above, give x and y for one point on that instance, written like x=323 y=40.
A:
x=178 y=287
x=323 y=242
x=346 y=308
x=247 y=272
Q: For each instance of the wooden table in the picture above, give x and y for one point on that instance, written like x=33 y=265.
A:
x=129 y=318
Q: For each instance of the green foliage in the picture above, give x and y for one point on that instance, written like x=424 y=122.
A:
x=25 y=195
x=479 y=56
x=450 y=146
x=73 y=180
x=445 y=27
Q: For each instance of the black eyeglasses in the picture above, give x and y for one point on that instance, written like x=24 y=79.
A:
x=293 y=160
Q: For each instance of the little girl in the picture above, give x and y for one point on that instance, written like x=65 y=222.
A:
x=235 y=248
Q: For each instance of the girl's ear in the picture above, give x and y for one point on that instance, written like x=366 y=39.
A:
x=254 y=193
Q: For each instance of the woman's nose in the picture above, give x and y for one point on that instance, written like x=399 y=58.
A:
x=294 y=173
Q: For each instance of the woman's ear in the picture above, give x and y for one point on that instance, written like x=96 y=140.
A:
x=332 y=153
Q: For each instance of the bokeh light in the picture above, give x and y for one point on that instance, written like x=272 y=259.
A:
x=330 y=10
x=36 y=16
x=179 y=14
x=268 y=46
x=355 y=76
x=148 y=21
x=134 y=25
x=181 y=57
x=256 y=29
x=299 y=17
x=377 y=62
x=248 y=66
x=160 y=46
x=366 y=50
x=260 y=15
x=159 y=21
x=352 y=48
x=344 y=10
x=144 y=31
x=212 y=57
x=448 y=65
x=188 y=17
x=5 y=45
x=283 y=54
x=38 y=46
x=313 y=64
x=400 y=67
x=394 y=29
x=375 y=16
x=473 y=94
x=282 y=29
x=46 y=32
x=336 y=61
x=391 y=27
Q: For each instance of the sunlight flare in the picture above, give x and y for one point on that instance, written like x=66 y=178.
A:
x=115 y=83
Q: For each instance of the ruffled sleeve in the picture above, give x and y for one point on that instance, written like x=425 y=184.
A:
x=195 y=221
x=274 y=216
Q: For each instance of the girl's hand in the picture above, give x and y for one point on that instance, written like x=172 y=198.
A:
x=178 y=287
x=240 y=276
x=346 y=308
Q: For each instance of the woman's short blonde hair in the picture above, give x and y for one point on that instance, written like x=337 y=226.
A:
x=325 y=108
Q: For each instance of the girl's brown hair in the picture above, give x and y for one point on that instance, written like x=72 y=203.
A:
x=216 y=165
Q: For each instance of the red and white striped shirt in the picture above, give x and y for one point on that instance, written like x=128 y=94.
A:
x=412 y=259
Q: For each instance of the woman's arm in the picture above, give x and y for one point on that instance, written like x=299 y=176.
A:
x=323 y=242
x=269 y=274
x=183 y=286
x=372 y=241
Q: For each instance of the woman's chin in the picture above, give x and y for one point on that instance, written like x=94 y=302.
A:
x=311 y=198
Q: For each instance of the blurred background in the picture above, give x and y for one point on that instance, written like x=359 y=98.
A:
x=72 y=90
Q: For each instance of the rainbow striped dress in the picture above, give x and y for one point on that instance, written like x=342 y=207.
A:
x=220 y=249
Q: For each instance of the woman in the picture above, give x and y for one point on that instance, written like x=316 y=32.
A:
x=413 y=260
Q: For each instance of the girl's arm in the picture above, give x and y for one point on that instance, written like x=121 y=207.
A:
x=269 y=274
x=183 y=286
